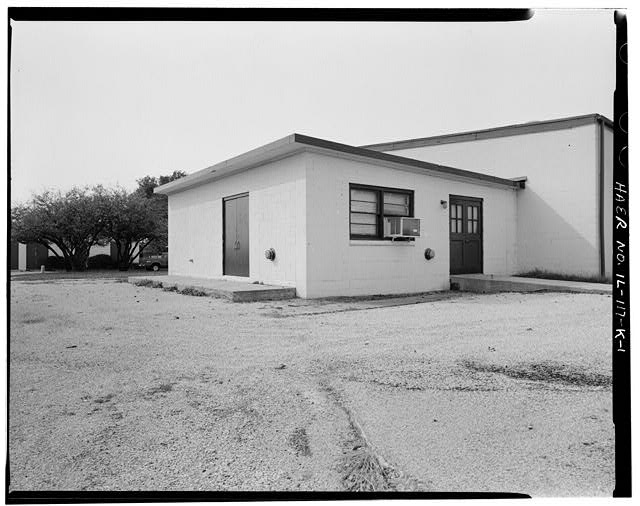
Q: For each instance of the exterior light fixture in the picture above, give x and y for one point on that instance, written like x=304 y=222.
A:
x=443 y=203
x=270 y=254
x=429 y=253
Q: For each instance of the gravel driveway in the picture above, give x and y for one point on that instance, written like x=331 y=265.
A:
x=117 y=387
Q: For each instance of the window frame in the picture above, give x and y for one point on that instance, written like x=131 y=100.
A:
x=380 y=190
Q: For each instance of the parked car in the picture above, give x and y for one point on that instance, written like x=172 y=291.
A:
x=155 y=262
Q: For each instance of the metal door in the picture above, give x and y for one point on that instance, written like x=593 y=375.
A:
x=465 y=235
x=236 y=235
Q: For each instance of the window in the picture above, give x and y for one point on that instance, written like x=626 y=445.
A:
x=472 y=220
x=456 y=218
x=370 y=204
x=459 y=224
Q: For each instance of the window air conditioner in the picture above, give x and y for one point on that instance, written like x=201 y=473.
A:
x=400 y=226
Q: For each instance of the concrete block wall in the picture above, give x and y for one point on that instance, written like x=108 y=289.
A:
x=557 y=212
x=278 y=214
x=276 y=219
x=338 y=265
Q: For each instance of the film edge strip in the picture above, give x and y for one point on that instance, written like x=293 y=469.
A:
x=621 y=363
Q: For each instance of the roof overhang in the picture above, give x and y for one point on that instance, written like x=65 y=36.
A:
x=297 y=143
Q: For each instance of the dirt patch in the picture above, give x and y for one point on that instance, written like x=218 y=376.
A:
x=102 y=400
x=299 y=440
x=548 y=372
x=163 y=388
x=415 y=374
x=30 y=321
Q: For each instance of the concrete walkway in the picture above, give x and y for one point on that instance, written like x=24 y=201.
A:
x=486 y=283
x=236 y=291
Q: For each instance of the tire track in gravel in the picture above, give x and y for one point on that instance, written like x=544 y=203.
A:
x=362 y=467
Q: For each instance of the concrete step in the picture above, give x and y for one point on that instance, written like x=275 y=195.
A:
x=235 y=291
x=488 y=283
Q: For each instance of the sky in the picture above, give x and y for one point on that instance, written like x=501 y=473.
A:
x=108 y=103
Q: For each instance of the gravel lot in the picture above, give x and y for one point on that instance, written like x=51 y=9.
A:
x=117 y=387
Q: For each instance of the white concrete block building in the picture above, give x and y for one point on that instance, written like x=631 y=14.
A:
x=500 y=201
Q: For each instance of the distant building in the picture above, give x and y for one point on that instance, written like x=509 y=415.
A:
x=32 y=256
x=319 y=215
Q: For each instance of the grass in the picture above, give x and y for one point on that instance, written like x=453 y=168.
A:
x=194 y=292
x=148 y=282
x=542 y=274
x=189 y=290
x=548 y=372
x=90 y=274
x=365 y=473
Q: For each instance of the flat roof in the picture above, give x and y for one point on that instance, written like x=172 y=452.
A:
x=298 y=143
x=492 y=133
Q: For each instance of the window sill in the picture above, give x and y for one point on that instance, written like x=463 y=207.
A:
x=364 y=242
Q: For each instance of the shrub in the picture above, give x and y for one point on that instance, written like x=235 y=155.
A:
x=143 y=282
x=101 y=262
x=54 y=264
x=194 y=292
x=542 y=274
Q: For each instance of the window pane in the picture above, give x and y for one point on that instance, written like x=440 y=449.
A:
x=364 y=212
x=469 y=212
x=453 y=226
x=364 y=230
x=475 y=213
x=460 y=215
x=396 y=198
x=364 y=207
x=364 y=195
x=453 y=211
x=364 y=219
x=459 y=222
x=396 y=210
x=396 y=204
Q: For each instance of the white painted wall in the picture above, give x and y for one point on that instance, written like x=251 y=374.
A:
x=277 y=201
x=22 y=257
x=557 y=212
x=340 y=266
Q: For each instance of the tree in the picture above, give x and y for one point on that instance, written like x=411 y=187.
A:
x=73 y=221
x=147 y=184
x=158 y=202
x=132 y=223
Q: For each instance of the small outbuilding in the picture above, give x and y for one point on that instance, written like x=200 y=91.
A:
x=332 y=219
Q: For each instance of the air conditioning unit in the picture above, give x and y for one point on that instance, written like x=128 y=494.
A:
x=399 y=226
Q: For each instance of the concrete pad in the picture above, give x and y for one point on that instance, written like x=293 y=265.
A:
x=489 y=283
x=235 y=291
